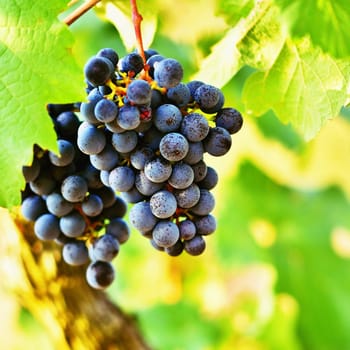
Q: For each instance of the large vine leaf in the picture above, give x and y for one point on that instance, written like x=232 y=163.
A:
x=36 y=67
x=300 y=83
x=326 y=22
x=304 y=87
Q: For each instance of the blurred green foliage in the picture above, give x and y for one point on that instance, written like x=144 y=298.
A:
x=274 y=275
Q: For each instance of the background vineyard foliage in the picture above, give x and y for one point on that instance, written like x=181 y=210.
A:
x=274 y=275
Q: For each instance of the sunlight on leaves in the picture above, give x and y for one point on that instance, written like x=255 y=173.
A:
x=304 y=87
x=326 y=22
x=37 y=67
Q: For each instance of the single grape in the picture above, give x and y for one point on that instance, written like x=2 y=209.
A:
x=122 y=178
x=74 y=188
x=199 y=170
x=90 y=140
x=195 y=246
x=98 y=70
x=195 y=127
x=92 y=177
x=205 y=204
x=73 y=224
x=163 y=204
x=46 y=227
x=165 y=233
x=129 y=117
x=182 y=176
x=100 y=274
x=104 y=176
x=145 y=186
x=75 y=253
x=140 y=156
x=106 y=110
x=179 y=94
x=187 y=229
x=65 y=155
x=67 y=124
x=188 y=197
x=158 y=170
x=168 y=72
x=42 y=185
x=87 y=110
x=218 y=142
x=205 y=225
x=208 y=96
x=92 y=205
x=141 y=217
x=176 y=249
x=119 y=229
x=210 y=180
x=110 y=54
x=167 y=118
x=105 y=248
x=139 y=92
x=132 y=63
x=32 y=207
x=173 y=146
x=195 y=153
x=57 y=205
x=125 y=142
x=107 y=159
x=229 y=119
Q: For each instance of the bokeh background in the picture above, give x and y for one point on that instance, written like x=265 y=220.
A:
x=275 y=275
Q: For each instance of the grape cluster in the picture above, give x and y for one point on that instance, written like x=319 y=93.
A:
x=147 y=133
x=142 y=134
x=70 y=205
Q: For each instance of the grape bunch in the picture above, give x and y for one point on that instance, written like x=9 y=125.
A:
x=69 y=204
x=147 y=132
x=140 y=138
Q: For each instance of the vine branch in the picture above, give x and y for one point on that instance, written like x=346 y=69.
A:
x=86 y=6
x=136 y=20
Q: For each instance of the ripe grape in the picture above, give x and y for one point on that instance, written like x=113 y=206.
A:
x=100 y=274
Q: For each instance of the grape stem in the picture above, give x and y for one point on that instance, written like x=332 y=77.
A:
x=136 y=20
x=78 y=12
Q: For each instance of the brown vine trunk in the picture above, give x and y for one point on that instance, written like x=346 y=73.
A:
x=75 y=315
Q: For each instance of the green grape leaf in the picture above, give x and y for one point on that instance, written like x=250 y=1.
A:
x=118 y=12
x=36 y=67
x=304 y=87
x=326 y=22
x=255 y=41
x=234 y=10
